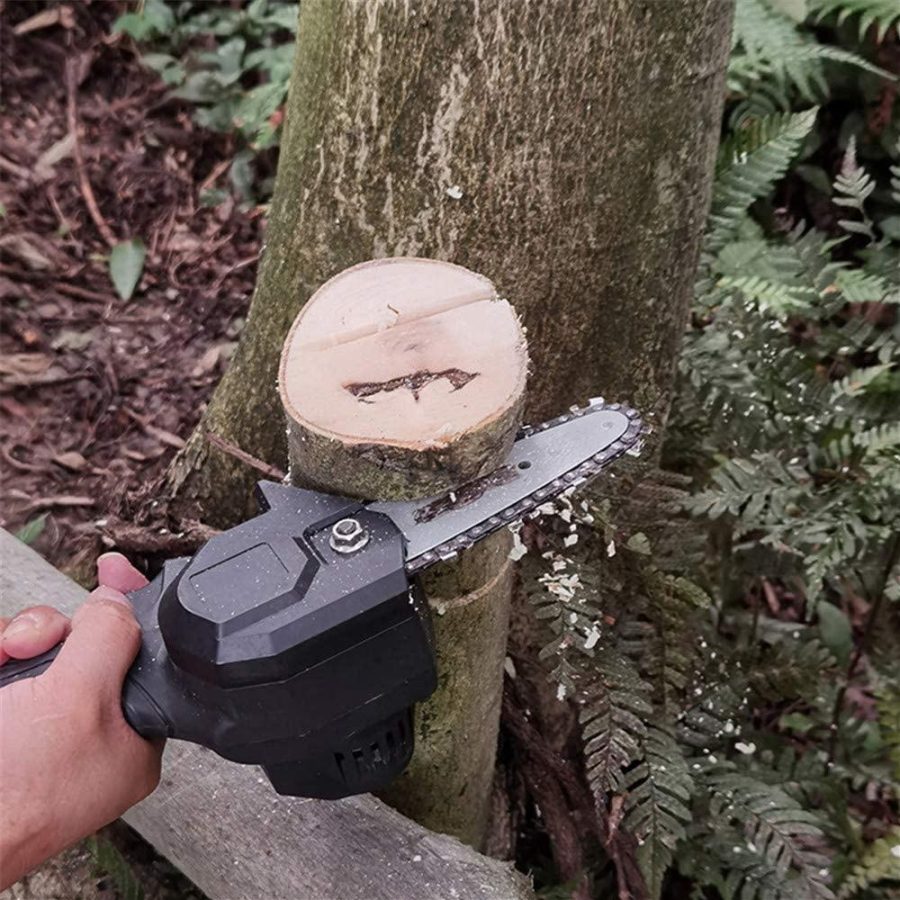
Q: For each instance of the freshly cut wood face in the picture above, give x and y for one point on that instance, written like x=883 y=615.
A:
x=405 y=353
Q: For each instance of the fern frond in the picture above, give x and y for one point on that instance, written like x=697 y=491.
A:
x=772 y=58
x=887 y=697
x=750 y=163
x=676 y=609
x=880 y=438
x=657 y=808
x=883 y=14
x=790 y=670
x=780 y=833
x=708 y=723
x=879 y=863
x=771 y=296
x=852 y=187
x=859 y=286
x=859 y=380
x=616 y=706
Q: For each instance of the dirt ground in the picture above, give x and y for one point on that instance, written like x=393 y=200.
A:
x=96 y=393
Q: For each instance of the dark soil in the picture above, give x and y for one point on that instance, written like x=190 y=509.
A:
x=96 y=393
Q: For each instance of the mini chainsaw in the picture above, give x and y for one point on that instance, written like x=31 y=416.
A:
x=300 y=640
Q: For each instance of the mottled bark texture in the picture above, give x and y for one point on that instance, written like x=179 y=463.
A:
x=447 y=786
x=563 y=148
x=403 y=378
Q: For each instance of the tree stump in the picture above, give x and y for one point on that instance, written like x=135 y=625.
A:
x=401 y=378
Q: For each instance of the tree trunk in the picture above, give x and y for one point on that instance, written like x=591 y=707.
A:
x=403 y=378
x=565 y=149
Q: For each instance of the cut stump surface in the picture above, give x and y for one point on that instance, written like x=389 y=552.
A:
x=400 y=378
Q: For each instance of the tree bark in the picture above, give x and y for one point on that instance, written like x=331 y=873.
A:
x=564 y=148
x=403 y=378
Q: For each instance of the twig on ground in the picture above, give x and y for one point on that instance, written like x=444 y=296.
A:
x=246 y=458
x=14 y=168
x=213 y=176
x=86 y=190
x=242 y=264
x=50 y=502
x=19 y=464
x=137 y=539
x=166 y=437
x=82 y=293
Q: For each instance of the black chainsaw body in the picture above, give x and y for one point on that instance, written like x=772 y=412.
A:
x=271 y=647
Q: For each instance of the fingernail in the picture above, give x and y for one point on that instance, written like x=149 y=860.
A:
x=22 y=625
x=107 y=593
x=109 y=554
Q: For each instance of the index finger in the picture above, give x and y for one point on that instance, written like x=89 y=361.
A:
x=32 y=632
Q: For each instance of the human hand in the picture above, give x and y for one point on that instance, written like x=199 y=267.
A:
x=69 y=762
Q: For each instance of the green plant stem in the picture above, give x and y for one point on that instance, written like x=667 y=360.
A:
x=893 y=557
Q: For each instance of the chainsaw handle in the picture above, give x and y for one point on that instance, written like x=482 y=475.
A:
x=17 y=669
x=138 y=707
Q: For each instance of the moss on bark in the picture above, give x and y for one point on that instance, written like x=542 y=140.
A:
x=447 y=786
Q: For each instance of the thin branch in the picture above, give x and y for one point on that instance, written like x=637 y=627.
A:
x=893 y=556
x=246 y=458
x=86 y=190
x=14 y=169
x=242 y=264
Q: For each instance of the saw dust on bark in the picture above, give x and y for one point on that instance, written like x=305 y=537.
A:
x=97 y=393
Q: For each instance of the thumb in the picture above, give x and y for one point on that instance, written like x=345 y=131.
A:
x=114 y=571
x=102 y=645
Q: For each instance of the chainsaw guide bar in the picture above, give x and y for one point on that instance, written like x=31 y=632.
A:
x=582 y=443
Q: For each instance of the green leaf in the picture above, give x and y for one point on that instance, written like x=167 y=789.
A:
x=154 y=18
x=31 y=531
x=167 y=67
x=890 y=227
x=257 y=105
x=284 y=17
x=158 y=61
x=796 y=722
x=113 y=864
x=816 y=177
x=213 y=197
x=638 y=543
x=242 y=175
x=126 y=264
x=200 y=87
x=837 y=634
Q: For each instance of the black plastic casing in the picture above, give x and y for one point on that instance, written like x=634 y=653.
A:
x=272 y=648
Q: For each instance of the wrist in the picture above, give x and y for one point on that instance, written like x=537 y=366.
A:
x=24 y=843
